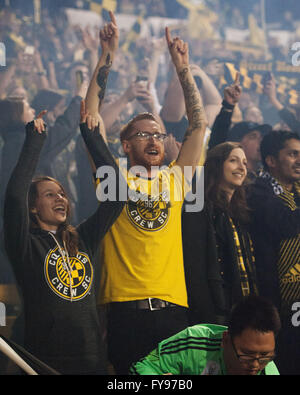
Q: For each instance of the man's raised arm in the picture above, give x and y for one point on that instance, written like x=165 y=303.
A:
x=109 y=39
x=190 y=152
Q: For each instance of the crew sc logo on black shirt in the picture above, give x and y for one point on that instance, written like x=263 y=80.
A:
x=58 y=278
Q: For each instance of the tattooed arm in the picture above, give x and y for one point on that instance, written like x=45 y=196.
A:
x=191 y=149
x=109 y=38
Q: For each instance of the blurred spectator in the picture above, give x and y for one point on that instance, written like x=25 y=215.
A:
x=253 y=114
x=249 y=135
x=287 y=117
x=50 y=100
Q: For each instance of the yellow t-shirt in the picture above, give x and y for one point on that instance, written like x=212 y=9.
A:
x=142 y=252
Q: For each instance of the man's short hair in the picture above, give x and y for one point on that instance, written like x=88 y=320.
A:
x=254 y=312
x=125 y=132
x=273 y=142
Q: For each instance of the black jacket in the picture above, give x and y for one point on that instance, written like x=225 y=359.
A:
x=272 y=222
x=64 y=334
x=212 y=275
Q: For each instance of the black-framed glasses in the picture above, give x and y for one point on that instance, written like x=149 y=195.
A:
x=147 y=135
x=244 y=358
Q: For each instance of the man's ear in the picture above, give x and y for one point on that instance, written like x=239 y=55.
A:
x=270 y=161
x=126 y=146
x=33 y=210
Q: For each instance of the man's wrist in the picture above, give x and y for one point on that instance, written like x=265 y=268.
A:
x=182 y=67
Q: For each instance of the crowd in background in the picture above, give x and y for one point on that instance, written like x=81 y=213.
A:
x=50 y=58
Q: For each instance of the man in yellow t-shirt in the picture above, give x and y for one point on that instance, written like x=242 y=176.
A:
x=142 y=279
x=143 y=249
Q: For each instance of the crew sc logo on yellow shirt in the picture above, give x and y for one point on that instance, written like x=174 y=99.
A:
x=150 y=214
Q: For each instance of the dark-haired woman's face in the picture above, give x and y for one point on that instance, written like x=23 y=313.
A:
x=234 y=169
x=51 y=206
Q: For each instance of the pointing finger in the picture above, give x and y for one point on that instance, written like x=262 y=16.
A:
x=112 y=17
x=168 y=36
x=237 y=78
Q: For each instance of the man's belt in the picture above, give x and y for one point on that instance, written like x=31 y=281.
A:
x=144 y=304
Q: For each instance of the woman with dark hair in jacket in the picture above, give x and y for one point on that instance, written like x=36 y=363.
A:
x=218 y=254
x=54 y=262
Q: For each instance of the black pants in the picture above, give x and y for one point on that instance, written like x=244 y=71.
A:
x=133 y=333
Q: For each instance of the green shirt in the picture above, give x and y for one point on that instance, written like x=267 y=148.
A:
x=196 y=350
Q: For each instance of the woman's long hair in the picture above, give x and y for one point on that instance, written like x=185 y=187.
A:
x=213 y=175
x=65 y=231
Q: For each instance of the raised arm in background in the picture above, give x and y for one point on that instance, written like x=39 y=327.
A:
x=43 y=81
x=270 y=92
x=91 y=45
x=190 y=151
x=109 y=40
x=221 y=126
x=174 y=108
x=64 y=129
x=136 y=91
x=287 y=116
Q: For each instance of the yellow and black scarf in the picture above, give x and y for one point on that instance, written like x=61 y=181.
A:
x=245 y=260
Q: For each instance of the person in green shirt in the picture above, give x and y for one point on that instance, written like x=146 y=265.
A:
x=245 y=347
